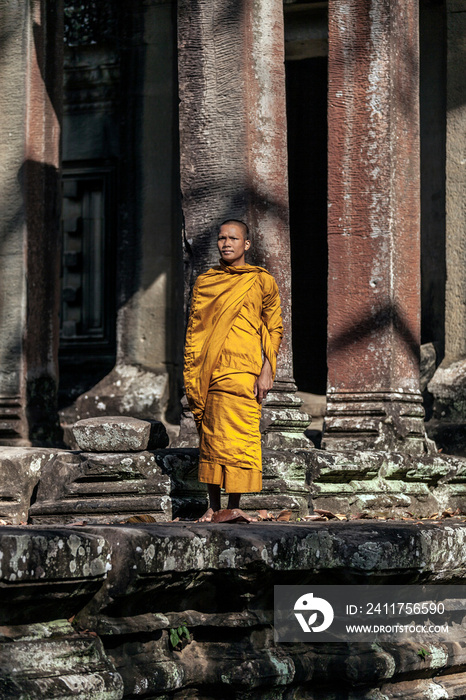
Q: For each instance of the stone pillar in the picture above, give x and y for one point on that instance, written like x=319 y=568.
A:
x=449 y=382
x=373 y=397
x=234 y=159
x=149 y=325
x=31 y=82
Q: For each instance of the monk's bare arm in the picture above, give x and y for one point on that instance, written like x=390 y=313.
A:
x=264 y=382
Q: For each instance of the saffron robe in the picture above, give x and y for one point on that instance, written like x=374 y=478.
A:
x=235 y=320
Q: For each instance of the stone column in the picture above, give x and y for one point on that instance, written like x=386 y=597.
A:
x=449 y=382
x=31 y=82
x=234 y=159
x=149 y=326
x=373 y=397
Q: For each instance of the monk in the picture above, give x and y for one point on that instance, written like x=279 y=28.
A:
x=232 y=340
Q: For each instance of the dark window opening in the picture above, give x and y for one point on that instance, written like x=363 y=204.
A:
x=88 y=310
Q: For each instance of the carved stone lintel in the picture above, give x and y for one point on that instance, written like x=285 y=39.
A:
x=376 y=421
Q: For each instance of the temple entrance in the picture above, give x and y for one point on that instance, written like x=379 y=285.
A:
x=306 y=90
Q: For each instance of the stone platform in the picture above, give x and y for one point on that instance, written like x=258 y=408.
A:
x=86 y=612
x=63 y=486
x=122 y=468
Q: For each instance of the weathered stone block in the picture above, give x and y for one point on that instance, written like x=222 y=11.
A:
x=386 y=483
x=49 y=573
x=115 y=434
x=185 y=568
x=20 y=469
x=106 y=487
x=52 y=660
x=126 y=390
x=428 y=364
x=448 y=386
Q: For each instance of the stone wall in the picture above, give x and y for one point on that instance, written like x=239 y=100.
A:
x=88 y=612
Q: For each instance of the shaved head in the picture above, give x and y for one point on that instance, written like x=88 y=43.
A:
x=244 y=227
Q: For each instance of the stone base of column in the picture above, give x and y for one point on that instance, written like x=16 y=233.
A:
x=12 y=422
x=284 y=482
x=376 y=421
x=282 y=422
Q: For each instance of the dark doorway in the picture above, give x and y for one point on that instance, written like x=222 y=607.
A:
x=432 y=94
x=306 y=89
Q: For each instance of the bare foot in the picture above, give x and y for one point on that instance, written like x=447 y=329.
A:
x=232 y=515
x=207 y=517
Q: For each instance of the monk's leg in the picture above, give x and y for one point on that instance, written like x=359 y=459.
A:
x=233 y=500
x=214 y=503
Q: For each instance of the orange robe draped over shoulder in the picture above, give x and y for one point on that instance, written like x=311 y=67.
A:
x=235 y=320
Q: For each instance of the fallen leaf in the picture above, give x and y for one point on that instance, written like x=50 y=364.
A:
x=327 y=513
x=265 y=515
x=341 y=516
x=284 y=515
x=361 y=516
x=315 y=518
x=143 y=518
x=231 y=515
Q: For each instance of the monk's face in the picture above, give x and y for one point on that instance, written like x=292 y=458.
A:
x=232 y=244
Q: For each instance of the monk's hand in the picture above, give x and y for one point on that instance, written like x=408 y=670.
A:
x=264 y=382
